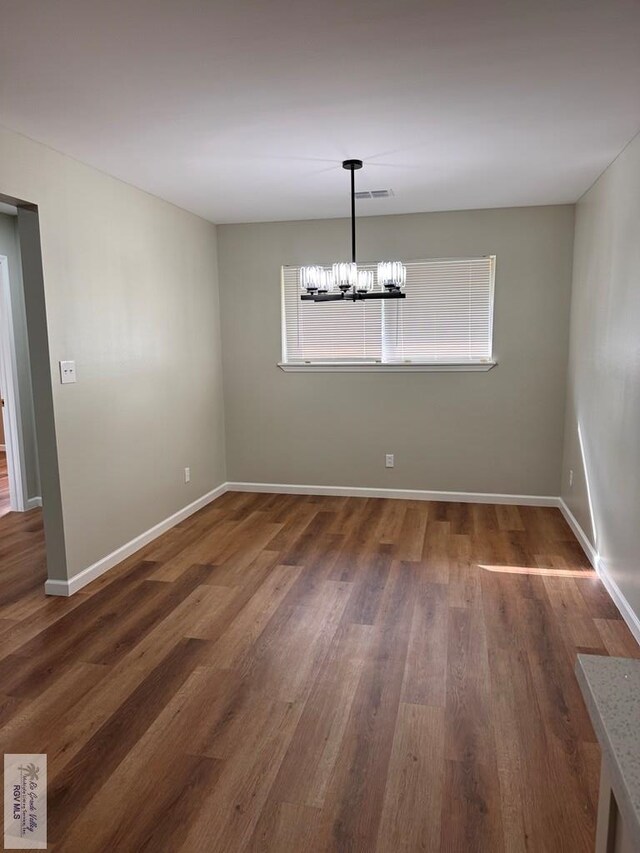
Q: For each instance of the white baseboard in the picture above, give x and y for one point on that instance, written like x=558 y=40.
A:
x=626 y=611
x=32 y=503
x=63 y=588
x=68 y=587
x=403 y=494
x=578 y=532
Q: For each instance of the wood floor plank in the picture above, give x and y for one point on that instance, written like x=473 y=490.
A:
x=597 y=598
x=369 y=588
x=292 y=647
x=572 y=611
x=436 y=554
x=459 y=516
x=617 y=638
x=159 y=601
x=468 y=725
x=311 y=758
x=294 y=827
x=74 y=729
x=227 y=817
x=411 y=540
x=464 y=588
x=425 y=676
x=27 y=728
x=353 y=806
x=245 y=629
x=74 y=786
x=509 y=517
x=170 y=789
x=471 y=817
x=412 y=806
x=510 y=759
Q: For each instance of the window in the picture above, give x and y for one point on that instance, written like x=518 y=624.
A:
x=445 y=323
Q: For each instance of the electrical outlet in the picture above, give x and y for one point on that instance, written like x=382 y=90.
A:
x=187 y=475
x=570 y=477
x=389 y=460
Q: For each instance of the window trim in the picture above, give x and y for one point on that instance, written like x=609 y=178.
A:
x=387 y=367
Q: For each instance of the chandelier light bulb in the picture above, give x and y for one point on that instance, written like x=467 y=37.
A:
x=364 y=281
x=326 y=281
x=310 y=278
x=345 y=276
x=392 y=275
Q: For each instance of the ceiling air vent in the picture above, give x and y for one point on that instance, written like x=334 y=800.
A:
x=375 y=194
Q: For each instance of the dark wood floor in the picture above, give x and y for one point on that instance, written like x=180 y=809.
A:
x=284 y=673
x=5 y=502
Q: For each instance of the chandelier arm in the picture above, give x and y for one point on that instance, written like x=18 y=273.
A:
x=352 y=296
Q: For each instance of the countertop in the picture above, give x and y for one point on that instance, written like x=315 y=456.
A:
x=611 y=690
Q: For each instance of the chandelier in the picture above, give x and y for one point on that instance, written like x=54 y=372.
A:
x=344 y=281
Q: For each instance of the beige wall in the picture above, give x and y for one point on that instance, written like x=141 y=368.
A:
x=9 y=246
x=498 y=432
x=603 y=400
x=131 y=294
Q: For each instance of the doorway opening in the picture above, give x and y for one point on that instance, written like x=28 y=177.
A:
x=29 y=477
x=19 y=472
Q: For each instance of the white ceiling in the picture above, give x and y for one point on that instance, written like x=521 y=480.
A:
x=242 y=111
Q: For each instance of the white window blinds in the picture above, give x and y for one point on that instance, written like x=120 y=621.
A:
x=331 y=331
x=447 y=317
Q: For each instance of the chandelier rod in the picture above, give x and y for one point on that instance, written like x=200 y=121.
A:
x=353 y=216
x=352 y=165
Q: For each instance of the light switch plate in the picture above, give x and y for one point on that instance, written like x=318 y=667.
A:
x=67 y=372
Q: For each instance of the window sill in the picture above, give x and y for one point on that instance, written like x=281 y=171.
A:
x=410 y=367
